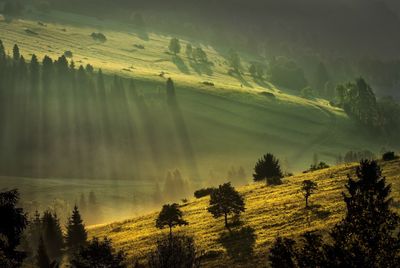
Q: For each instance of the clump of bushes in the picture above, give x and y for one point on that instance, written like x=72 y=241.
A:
x=99 y=37
x=320 y=165
x=138 y=46
x=208 y=83
x=203 y=192
x=388 y=156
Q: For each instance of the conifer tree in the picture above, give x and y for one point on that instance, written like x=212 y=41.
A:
x=16 y=54
x=52 y=234
x=76 y=233
x=268 y=168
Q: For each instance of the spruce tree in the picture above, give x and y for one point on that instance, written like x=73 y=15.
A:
x=76 y=233
x=366 y=237
x=52 y=234
x=268 y=168
x=16 y=54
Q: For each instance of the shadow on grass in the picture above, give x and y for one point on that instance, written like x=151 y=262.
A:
x=239 y=244
x=180 y=64
x=201 y=67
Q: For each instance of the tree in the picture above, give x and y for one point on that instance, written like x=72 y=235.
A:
x=174 y=46
x=16 y=54
x=268 y=168
x=34 y=73
x=234 y=60
x=2 y=52
x=170 y=91
x=175 y=252
x=76 y=233
x=42 y=259
x=253 y=70
x=366 y=237
x=12 y=224
x=52 y=234
x=200 y=55
x=189 y=50
x=308 y=188
x=224 y=201
x=98 y=254
x=282 y=253
x=170 y=216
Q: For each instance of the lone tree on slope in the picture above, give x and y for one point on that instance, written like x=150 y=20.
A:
x=225 y=200
x=174 y=46
x=170 y=216
x=308 y=188
x=268 y=168
x=76 y=233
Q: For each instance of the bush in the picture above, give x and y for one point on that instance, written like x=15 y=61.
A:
x=68 y=54
x=388 y=156
x=207 y=83
x=99 y=37
x=203 y=192
x=175 y=251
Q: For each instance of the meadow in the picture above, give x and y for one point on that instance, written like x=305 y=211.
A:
x=261 y=116
x=270 y=212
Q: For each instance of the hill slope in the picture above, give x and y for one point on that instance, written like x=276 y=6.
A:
x=216 y=117
x=270 y=211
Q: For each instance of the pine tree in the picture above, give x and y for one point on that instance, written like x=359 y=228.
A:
x=16 y=54
x=76 y=233
x=2 y=52
x=34 y=73
x=42 y=259
x=225 y=200
x=268 y=168
x=170 y=216
x=170 y=91
x=52 y=234
x=366 y=237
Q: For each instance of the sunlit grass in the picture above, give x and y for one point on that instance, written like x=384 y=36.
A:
x=271 y=211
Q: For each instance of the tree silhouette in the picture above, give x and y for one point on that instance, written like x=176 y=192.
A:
x=268 y=168
x=366 y=237
x=16 y=54
x=170 y=91
x=308 y=187
x=170 y=216
x=174 y=46
x=224 y=201
x=98 y=254
x=76 y=233
x=52 y=235
x=12 y=224
x=174 y=252
x=282 y=253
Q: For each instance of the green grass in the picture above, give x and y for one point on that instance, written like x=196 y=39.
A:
x=270 y=212
x=231 y=123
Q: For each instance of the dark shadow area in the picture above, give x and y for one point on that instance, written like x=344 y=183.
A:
x=201 y=67
x=261 y=82
x=239 y=244
x=180 y=64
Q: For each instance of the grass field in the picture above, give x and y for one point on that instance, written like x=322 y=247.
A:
x=231 y=123
x=270 y=211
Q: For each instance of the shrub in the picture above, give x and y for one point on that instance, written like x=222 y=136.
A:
x=99 y=37
x=388 y=156
x=203 y=192
x=68 y=54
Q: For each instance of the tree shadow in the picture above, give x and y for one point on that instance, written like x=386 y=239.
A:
x=239 y=244
x=180 y=64
x=201 y=67
x=239 y=77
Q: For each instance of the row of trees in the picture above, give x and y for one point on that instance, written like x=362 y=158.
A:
x=64 y=121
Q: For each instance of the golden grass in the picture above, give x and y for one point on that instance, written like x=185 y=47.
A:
x=270 y=211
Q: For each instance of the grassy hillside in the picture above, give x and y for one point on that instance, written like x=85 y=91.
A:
x=270 y=211
x=231 y=123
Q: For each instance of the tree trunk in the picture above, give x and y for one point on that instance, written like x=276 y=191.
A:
x=306 y=201
x=226 y=222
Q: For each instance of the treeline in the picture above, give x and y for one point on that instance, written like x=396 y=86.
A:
x=63 y=120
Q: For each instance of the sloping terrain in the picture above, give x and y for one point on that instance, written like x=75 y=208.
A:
x=258 y=114
x=270 y=211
